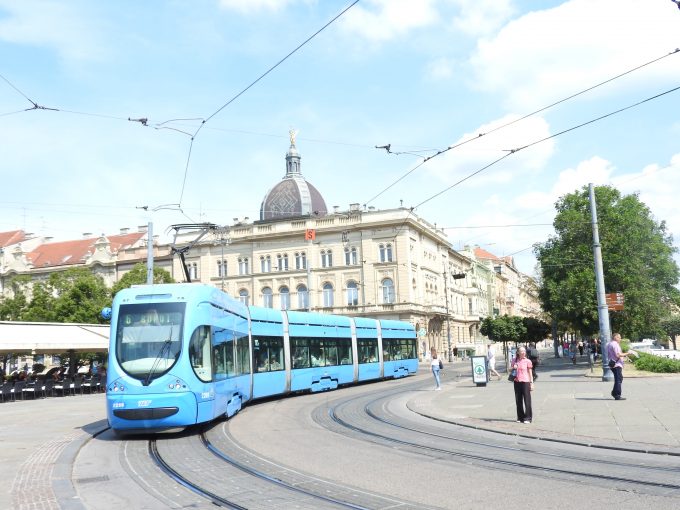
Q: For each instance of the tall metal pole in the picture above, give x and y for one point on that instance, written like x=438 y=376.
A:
x=308 y=260
x=149 y=255
x=448 y=322
x=602 y=309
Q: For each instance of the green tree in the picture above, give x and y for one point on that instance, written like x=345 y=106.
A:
x=137 y=276
x=81 y=296
x=503 y=329
x=41 y=308
x=536 y=329
x=671 y=326
x=12 y=308
x=637 y=255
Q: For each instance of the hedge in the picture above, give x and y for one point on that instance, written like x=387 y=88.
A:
x=651 y=363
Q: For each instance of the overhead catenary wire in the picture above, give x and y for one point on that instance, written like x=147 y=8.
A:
x=248 y=87
x=518 y=149
x=502 y=126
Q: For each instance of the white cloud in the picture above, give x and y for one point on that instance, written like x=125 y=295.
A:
x=470 y=157
x=440 y=69
x=546 y=54
x=657 y=187
x=482 y=17
x=250 y=6
x=386 y=19
x=61 y=26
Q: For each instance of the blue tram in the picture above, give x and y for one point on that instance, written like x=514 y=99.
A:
x=185 y=354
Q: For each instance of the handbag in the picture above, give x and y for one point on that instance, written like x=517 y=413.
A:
x=441 y=364
x=512 y=375
x=612 y=363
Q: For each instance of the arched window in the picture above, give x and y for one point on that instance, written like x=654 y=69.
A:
x=243 y=265
x=285 y=298
x=301 y=260
x=387 y=291
x=352 y=293
x=267 y=297
x=351 y=256
x=326 y=258
x=266 y=264
x=221 y=268
x=302 y=297
x=282 y=262
x=385 y=252
x=327 y=295
x=244 y=297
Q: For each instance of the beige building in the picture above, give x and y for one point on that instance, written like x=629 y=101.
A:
x=387 y=264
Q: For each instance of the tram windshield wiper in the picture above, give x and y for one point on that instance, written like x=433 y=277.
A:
x=161 y=354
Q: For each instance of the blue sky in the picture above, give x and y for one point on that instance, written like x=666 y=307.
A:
x=421 y=75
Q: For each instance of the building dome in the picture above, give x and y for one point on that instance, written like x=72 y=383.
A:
x=293 y=196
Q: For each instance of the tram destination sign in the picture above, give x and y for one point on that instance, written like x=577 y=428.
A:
x=615 y=301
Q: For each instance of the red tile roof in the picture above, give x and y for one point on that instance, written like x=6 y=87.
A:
x=68 y=253
x=12 y=237
x=483 y=254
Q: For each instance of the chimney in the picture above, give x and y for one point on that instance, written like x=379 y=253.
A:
x=336 y=208
x=124 y=231
x=371 y=208
x=87 y=234
x=354 y=207
x=141 y=228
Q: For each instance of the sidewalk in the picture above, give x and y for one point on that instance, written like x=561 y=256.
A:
x=569 y=404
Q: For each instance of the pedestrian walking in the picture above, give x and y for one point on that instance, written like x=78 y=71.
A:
x=436 y=367
x=491 y=361
x=524 y=385
x=616 y=358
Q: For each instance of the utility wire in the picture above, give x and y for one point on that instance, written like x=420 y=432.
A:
x=515 y=151
x=497 y=128
x=186 y=169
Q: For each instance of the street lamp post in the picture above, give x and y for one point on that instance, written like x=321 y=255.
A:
x=457 y=276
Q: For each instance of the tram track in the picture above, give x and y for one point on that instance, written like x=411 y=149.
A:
x=288 y=488
x=355 y=418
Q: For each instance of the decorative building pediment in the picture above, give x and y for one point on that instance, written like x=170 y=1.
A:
x=102 y=252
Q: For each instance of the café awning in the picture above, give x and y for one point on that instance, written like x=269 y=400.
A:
x=52 y=337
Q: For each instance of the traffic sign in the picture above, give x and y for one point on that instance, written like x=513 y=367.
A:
x=615 y=301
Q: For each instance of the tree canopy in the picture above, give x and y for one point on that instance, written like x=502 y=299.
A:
x=137 y=276
x=671 y=326
x=504 y=329
x=637 y=255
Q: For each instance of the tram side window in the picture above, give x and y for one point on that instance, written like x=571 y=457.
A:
x=330 y=351
x=299 y=348
x=243 y=353
x=345 y=351
x=268 y=354
x=408 y=348
x=388 y=349
x=368 y=350
x=222 y=362
x=199 y=353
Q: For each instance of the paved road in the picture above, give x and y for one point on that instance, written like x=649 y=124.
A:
x=48 y=463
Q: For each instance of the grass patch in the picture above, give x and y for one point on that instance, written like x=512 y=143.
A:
x=658 y=364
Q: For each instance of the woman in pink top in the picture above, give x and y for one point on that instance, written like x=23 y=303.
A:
x=524 y=385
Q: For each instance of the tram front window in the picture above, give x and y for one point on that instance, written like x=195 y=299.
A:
x=149 y=338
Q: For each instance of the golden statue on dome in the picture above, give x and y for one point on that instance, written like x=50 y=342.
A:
x=292 y=133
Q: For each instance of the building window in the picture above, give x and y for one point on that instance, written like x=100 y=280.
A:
x=243 y=297
x=387 y=291
x=327 y=295
x=193 y=271
x=266 y=264
x=301 y=260
x=385 y=252
x=282 y=262
x=352 y=294
x=267 y=297
x=351 y=256
x=221 y=268
x=243 y=265
x=285 y=298
x=302 y=297
x=326 y=258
